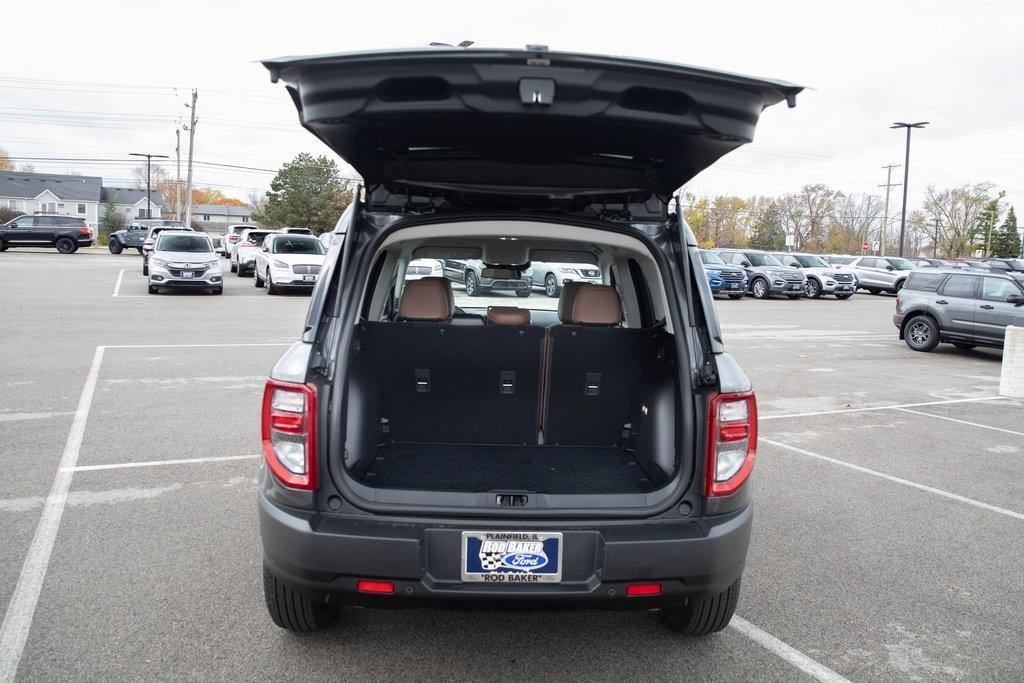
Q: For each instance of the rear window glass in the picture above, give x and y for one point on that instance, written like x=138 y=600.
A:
x=197 y=244
x=924 y=282
x=256 y=237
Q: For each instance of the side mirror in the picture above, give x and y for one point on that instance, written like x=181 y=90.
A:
x=795 y=265
x=745 y=264
x=1015 y=299
x=889 y=268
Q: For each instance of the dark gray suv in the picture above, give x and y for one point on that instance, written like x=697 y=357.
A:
x=416 y=453
x=957 y=307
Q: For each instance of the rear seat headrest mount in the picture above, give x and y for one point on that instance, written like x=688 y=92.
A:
x=429 y=299
x=507 y=315
x=596 y=305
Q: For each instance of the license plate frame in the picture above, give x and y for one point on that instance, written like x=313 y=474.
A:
x=187 y=275
x=488 y=557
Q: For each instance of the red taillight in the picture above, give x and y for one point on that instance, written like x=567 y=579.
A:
x=289 y=433
x=232 y=238
x=378 y=587
x=85 y=231
x=248 y=244
x=635 y=590
x=732 y=442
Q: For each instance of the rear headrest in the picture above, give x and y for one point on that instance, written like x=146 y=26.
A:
x=596 y=305
x=566 y=299
x=428 y=299
x=507 y=315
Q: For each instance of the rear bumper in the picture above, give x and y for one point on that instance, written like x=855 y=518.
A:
x=325 y=557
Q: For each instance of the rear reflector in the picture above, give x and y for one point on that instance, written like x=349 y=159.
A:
x=289 y=433
x=732 y=442
x=635 y=590
x=378 y=587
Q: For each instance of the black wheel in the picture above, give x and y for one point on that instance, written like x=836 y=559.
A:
x=523 y=293
x=138 y=249
x=271 y=288
x=218 y=290
x=843 y=297
x=234 y=268
x=3 y=246
x=257 y=281
x=145 y=269
x=240 y=271
x=65 y=245
x=813 y=288
x=292 y=610
x=701 y=616
x=898 y=286
x=551 y=287
x=921 y=333
x=759 y=288
x=153 y=290
x=963 y=346
x=115 y=246
x=735 y=296
x=472 y=286
x=872 y=290
x=794 y=297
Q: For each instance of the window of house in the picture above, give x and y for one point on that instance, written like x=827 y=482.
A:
x=206 y=216
x=47 y=207
x=81 y=208
x=12 y=204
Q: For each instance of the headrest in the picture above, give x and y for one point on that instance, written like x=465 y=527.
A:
x=507 y=315
x=596 y=305
x=566 y=299
x=427 y=299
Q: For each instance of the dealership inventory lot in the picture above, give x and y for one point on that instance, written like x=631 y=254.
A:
x=155 y=566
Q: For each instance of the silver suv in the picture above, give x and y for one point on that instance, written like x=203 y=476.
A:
x=879 y=273
x=765 y=274
x=964 y=309
x=822 y=277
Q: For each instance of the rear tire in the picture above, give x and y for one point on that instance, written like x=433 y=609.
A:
x=239 y=270
x=234 y=268
x=702 y=616
x=292 y=610
x=115 y=246
x=3 y=246
x=139 y=249
x=921 y=333
x=898 y=286
x=257 y=281
x=523 y=293
x=551 y=287
x=65 y=245
x=872 y=290
x=145 y=269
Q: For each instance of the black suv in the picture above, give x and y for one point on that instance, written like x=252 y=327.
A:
x=64 y=233
x=420 y=449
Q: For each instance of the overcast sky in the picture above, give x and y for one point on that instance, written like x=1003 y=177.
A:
x=100 y=79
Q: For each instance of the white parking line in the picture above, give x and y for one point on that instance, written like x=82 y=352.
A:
x=812 y=668
x=898 y=480
x=22 y=607
x=117 y=285
x=761 y=418
x=963 y=422
x=158 y=463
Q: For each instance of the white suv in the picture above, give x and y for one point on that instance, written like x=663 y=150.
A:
x=243 y=254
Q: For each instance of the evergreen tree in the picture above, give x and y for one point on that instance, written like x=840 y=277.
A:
x=1006 y=239
x=305 y=193
x=767 y=232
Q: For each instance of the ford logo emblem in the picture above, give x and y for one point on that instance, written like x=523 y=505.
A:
x=524 y=561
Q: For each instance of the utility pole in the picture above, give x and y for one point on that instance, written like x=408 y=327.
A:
x=191 y=146
x=935 y=243
x=177 y=174
x=149 y=157
x=906 y=174
x=889 y=184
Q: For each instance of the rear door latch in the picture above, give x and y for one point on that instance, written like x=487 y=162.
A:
x=537 y=91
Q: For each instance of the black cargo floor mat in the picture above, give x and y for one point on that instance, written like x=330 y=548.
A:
x=475 y=468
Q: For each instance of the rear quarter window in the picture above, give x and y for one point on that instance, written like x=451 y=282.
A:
x=925 y=282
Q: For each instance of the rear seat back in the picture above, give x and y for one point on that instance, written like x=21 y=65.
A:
x=456 y=384
x=595 y=371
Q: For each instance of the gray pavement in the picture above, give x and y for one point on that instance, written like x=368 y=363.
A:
x=154 y=571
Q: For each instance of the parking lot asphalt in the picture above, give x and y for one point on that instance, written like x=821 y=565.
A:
x=889 y=496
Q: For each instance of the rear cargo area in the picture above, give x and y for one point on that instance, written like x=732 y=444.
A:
x=540 y=469
x=511 y=408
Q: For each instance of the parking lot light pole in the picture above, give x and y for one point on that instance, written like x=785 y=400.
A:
x=906 y=174
x=149 y=158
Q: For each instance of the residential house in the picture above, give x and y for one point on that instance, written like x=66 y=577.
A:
x=69 y=195
x=131 y=202
x=217 y=217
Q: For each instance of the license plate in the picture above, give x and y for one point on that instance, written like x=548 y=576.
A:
x=309 y=278
x=733 y=287
x=844 y=288
x=187 y=274
x=796 y=287
x=511 y=557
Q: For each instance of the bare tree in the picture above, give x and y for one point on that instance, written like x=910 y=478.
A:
x=855 y=220
x=959 y=211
